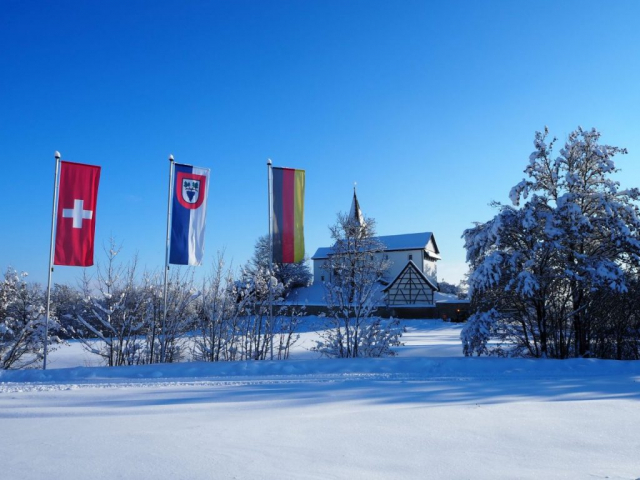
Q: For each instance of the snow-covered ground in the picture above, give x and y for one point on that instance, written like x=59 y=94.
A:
x=428 y=413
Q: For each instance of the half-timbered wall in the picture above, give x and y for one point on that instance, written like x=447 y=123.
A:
x=410 y=288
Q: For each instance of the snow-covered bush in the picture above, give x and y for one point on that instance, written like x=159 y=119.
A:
x=616 y=328
x=476 y=333
x=375 y=337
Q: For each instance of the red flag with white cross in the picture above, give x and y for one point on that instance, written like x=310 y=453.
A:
x=76 y=217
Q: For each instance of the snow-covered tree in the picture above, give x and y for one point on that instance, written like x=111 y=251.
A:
x=234 y=317
x=290 y=275
x=22 y=322
x=254 y=290
x=217 y=321
x=540 y=264
x=114 y=314
x=446 y=287
x=616 y=326
x=66 y=303
x=353 y=292
x=182 y=297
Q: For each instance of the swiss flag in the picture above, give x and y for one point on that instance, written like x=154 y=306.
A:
x=76 y=217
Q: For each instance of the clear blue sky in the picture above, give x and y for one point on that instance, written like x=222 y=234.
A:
x=430 y=106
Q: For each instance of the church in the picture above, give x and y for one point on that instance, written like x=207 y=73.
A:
x=409 y=287
x=412 y=275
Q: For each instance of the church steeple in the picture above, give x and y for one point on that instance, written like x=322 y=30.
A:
x=356 y=218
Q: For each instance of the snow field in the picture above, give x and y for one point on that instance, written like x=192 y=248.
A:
x=422 y=415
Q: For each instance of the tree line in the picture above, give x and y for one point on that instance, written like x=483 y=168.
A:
x=119 y=316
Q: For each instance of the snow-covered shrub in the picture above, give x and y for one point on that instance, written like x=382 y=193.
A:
x=375 y=337
x=477 y=331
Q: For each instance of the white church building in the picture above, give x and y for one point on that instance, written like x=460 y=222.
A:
x=411 y=279
x=409 y=288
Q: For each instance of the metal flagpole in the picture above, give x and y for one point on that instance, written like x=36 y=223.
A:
x=53 y=224
x=270 y=202
x=166 y=262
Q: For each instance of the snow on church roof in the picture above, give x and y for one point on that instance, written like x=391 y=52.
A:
x=407 y=241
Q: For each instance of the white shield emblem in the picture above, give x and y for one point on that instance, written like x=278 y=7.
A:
x=190 y=190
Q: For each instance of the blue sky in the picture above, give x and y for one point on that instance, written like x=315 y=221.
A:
x=431 y=107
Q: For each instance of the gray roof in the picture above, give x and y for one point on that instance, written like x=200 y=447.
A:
x=322 y=252
x=407 y=241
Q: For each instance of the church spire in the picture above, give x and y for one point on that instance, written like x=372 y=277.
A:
x=355 y=215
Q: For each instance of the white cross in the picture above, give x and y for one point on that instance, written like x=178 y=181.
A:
x=78 y=213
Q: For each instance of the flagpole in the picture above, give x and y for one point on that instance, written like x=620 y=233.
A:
x=53 y=223
x=166 y=262
x=270 y=202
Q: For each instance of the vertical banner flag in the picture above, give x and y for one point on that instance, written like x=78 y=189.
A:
x=288 y=215
x=188 y=211
x=76 y=216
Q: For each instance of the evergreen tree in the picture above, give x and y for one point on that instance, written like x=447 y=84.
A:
x=290 y=275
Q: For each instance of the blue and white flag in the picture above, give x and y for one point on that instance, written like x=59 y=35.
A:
x=188 y=211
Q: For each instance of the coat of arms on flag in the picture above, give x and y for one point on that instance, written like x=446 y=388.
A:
x=192 y=189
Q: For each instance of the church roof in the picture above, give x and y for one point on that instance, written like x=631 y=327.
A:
x=407 y=241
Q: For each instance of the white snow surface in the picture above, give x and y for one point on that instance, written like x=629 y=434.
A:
x=428 y=413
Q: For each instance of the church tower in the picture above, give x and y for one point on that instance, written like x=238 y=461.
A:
x=356 y=219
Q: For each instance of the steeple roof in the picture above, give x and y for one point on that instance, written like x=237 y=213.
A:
x=355 y=215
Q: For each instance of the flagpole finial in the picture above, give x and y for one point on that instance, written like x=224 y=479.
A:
x=268 y=161
x=57 y=155
x=171 y=158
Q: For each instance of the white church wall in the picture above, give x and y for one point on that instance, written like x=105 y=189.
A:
x=430 y=269
x=319 y=272
x=399 y=260
x=431 y=247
